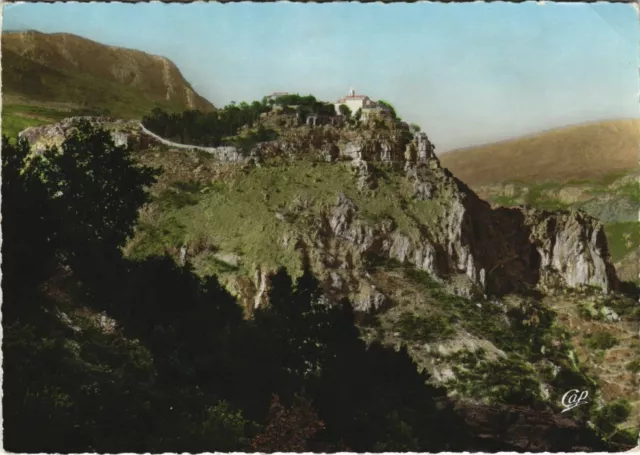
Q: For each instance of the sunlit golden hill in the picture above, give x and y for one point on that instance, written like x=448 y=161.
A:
x=65 y=68
x=580 y=152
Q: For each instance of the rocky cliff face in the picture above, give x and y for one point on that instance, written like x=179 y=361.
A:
x=614 y=201
x=475 y=250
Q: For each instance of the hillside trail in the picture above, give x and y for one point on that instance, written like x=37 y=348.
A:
x=175 y=144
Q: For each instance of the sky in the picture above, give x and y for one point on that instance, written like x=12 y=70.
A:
x=466 y=73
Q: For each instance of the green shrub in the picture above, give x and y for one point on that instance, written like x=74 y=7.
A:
x=625 y=437
x=509 y=381
x=625 y=306
x=634 y=366
x=632 y=190
x=422 y=277
x=190 y=186
x=155 y=240
x=610 y=416
x=424 y=328
x=622 y=238
x=601 y=340
x=505 y=201
x=590 y=313
x=175 y=199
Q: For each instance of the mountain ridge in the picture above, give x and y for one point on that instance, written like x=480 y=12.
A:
x=561 y=154
x=40 y=66
x=536 y=133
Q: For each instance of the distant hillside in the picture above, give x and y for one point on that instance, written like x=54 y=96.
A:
x=578 y=152
x=65 y=68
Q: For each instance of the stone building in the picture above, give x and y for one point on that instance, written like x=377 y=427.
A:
x=355 y=102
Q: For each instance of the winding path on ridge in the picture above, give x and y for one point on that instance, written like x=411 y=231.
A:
x=175 y=144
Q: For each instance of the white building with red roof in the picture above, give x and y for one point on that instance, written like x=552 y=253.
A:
x=355 y=102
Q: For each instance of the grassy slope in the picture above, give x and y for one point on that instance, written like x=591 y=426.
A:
x=576 y=152
x=241 y=215
x=17 y=118
x=34 y=82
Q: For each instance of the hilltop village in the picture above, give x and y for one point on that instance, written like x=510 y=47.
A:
x=288 y=124
x=354 y=106
x=360 y=105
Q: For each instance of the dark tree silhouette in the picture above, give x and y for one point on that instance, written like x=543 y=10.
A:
x=223 y=126
x=95 y=189
x=30 y=238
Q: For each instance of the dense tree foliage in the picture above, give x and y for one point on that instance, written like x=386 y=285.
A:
x=304 y=105
x=29 y=240
x=358 y=115
x=293 y=100
x=205 y=129
x=96 y=190
x=223 y=126
x=72 y=207
x=308 y=101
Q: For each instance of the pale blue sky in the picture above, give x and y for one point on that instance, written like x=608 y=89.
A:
x=467 y=73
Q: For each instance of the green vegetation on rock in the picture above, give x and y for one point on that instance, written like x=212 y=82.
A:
x=601 y=340
x=424 y=328
x=622 y=238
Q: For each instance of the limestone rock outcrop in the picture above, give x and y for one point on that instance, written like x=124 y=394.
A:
x=574 y=245
x=48 y=136
x=478 y=250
